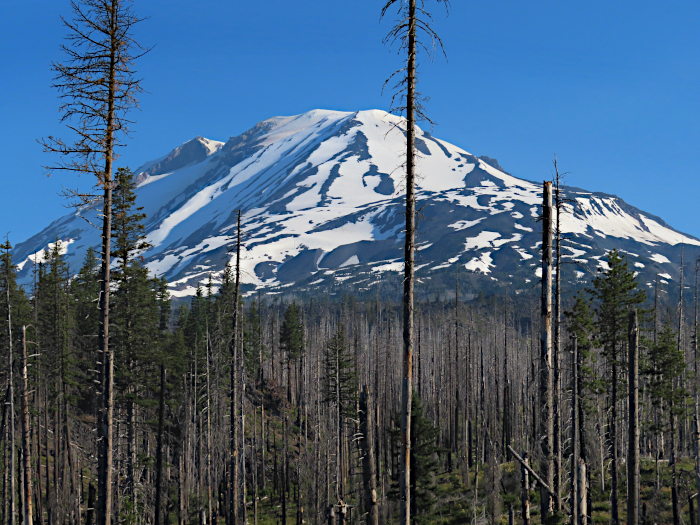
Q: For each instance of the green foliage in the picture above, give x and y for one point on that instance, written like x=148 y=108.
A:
x=138 y=301
x=252 y=340
x=665 y=365
x=340 y=375
x=292 y=333
x=424 y=464
x=20 y=308
x=617 y=292
x=580 y=321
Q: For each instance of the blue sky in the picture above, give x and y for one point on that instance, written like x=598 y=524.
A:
x=610 y=87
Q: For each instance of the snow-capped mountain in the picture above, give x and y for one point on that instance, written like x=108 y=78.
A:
x=322 y=202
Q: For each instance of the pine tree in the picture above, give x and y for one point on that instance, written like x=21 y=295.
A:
x=20 y=306
x=666 y=365
x=136 y=320
x=616 y=291
x=291 y=341
x=424 y=463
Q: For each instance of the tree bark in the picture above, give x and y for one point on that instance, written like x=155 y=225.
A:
x=546 y=379
x=575 y=517
x=633 y=404
x=368 y=472
x=26 y=440
x=159 y=449
x=409 y=254
x=696 y=393
x=233 y=486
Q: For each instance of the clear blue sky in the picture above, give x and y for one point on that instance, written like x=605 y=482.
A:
x=610 y=87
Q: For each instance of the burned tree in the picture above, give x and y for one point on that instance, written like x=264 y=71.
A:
x=98 y=86
x=411 y=19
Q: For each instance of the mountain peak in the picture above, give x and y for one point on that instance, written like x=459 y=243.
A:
x=322 y=201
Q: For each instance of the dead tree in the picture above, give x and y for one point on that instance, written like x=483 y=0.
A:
x=633 y=404
x=405 y=32
x=368 y=470
x=575 y=511
x=696 y=418
x=546 y=379
x=159 y=449
x=234 y=464
x=11 y=404
x=99 y=88
x=26 y=438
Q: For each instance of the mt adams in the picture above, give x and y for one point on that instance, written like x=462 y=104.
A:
x=322 y=205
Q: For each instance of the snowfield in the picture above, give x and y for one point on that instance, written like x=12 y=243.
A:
x=322 y=196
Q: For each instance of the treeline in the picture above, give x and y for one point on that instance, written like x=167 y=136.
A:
x=266 y=410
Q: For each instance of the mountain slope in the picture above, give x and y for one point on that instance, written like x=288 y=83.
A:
x=322 y=201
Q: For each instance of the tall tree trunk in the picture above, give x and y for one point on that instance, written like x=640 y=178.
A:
x=26 y=441
x=696 y=392
x=575 y=512
x=368 y=472
x=409 y=270
x=10 y=385
x=159 y=448
x=558 y=409
x=633 y=404
x=105 y=430
x=233 y=486
x=546 y=379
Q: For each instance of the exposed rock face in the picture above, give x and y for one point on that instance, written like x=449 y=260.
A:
x=322 y=201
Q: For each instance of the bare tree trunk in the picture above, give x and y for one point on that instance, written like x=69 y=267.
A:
x=369 y=474
x=582 y=493
x=525 y=491
x=26 y=441
x=558 y=409
x=105 y=430
x=409 y=270
x=208 y=461
x=546 y=379
x=233 y=486
x=696 y=396
x=633 y=453
x=159 y=449
x=11 y=395
x=575 y=511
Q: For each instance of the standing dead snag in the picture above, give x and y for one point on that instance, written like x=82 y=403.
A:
x=369 y=477
x=633 y=451
x=99 y=88
x=405 y=32
x=696 y=421
x=233 y=451
x=546 y=379
x=159 y=449
x=26 y=439
x=575 y=511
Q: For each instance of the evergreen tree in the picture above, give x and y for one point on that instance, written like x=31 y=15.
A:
x=20 y=308
x=136 y=321
x=424 y=463
x=85 y=289
x=340 y=375
x=291 y=341
x=616 y=291
x=252 y=340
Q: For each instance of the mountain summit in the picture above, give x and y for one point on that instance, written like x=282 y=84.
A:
x=322 y=201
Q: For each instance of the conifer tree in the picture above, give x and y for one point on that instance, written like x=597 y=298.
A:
x=424 y=464
x=291 y=341
x=667 y=365
x=412 y=20
x=98 y=85
x=616 y=291
x=136 y=319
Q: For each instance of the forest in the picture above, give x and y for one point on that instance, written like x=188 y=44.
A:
x=575 y=403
